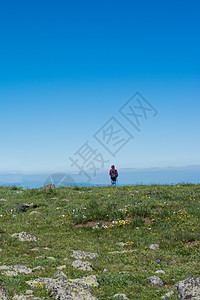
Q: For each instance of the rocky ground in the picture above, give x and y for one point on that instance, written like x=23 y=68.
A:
x=34 y=264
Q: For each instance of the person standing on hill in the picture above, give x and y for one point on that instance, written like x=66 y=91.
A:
x=113 y=175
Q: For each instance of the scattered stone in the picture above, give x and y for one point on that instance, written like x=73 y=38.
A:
x=49 y=187
x=121 y=252
x=188 y=288
x=25 y=237
x=167 y=295
x=29 y=292
x=3 y=293
x=38 y=268
x=155 y=281
x=66 y=258
x=21 y=269
x=15 y=270
x=35 y=212
x=40 y=248
x=61 y=267
x=105 y=271
x=121 y=244
x=89 y=280
x=66 y=200
x=51 y=258
x=83 y=254
x=1 y=250
x=60 y=274
x=10 y=273
x=25 y=297
x=160 y=272
x=3 y=200
x=4 y=267
x=121 y=296
x=154 y=247
x=30 y=204
x=67 y=289
x=124 y=244
x=19 y=192
x=82 y=265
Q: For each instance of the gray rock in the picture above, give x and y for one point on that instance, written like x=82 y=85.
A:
x=155 y=281
x=78 y=254
x=89 y=280
x=21 y=269
x=60 y=274
x=38 y=268
x=51 y=258
x=124 y=244
x=188 y=289
x=14 y=270
x=121 y=296
x=3 y=200
x=10 y=273
x=61 y=267
x=30 y=204
x=49 y=187
x=4 y=267
x=25 y=237
x=66 y=289
x=29 y=292
x=25 y=297
x=121 y=252
x=160 y=272
x=3 y=293
x=40 y=248
x=154 y=247
x=167 y=295
x=35 y=212
x=105 y=271
x=82 y=265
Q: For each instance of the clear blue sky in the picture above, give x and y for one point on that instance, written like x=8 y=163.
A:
x=66 y=67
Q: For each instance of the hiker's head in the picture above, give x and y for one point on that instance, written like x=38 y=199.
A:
x=112 y=167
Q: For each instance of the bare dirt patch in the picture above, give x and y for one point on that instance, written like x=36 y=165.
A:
x=148 y=221
x=192 y=243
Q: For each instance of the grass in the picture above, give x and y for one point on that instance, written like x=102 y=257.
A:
x=96 y=220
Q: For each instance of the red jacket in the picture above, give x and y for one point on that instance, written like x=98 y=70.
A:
x=113 y=168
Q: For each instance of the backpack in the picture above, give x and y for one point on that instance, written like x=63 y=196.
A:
x=113 y=175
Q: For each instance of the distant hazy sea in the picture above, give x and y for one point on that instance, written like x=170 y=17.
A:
x=170 y=175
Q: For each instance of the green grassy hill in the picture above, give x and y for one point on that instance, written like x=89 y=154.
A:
x=110 y=222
